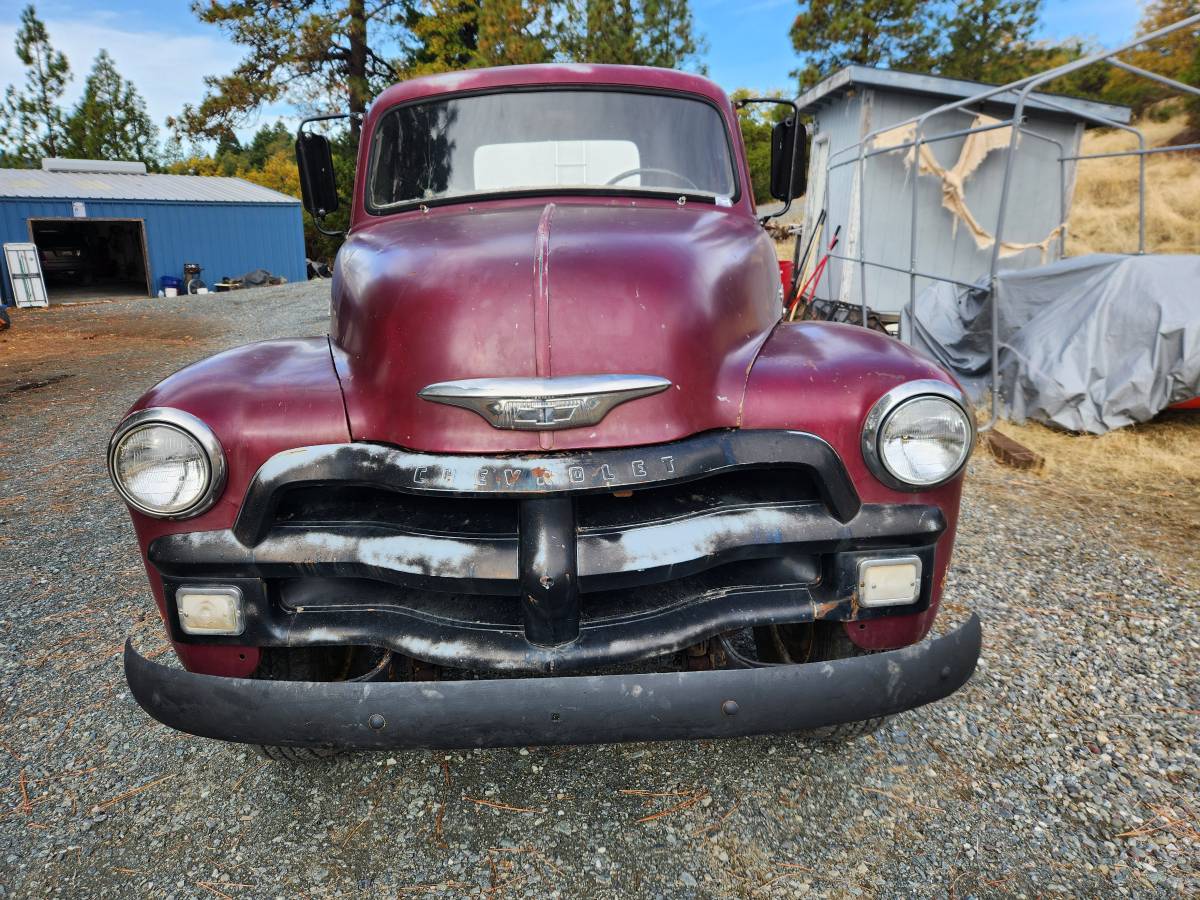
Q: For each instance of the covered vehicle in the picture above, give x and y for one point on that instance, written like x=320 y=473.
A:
x=559 y=473
x=1090 y=343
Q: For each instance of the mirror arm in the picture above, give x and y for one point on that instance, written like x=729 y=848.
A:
x=318 y=221
x=319 y=224
x=796 y=144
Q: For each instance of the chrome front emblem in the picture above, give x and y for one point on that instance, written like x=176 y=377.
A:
x=544 y=404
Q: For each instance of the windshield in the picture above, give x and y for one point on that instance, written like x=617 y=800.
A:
x=533 y=140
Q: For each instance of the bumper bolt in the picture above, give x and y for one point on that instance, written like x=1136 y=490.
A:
x=376 y=721
x=729 y=707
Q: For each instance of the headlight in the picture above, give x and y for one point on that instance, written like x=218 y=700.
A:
x=918 y=435
x=166 y=463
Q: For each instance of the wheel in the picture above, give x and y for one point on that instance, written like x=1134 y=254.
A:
x=293 y=754
x=297 y=664
x=815 y=642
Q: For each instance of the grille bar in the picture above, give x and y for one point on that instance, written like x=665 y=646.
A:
x=589 y=472
x=626 y=557
x=548 y=571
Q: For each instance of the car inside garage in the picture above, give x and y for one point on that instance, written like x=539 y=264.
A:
x=91 y=258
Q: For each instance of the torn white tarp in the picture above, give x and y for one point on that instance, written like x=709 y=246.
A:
x=1088 y=344
x=975 y=148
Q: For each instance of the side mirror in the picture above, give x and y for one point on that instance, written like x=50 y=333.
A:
x=789 y=160
x=318 y=187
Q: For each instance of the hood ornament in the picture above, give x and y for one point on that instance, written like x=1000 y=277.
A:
x=543 y=404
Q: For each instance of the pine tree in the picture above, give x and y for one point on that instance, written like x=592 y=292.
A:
x=445 y=37
x=515 y=32
x=268 y=141
x=327 y=53
x=604 y=32
x=110 y=120
x=831 y=34
x=32 y=124
x=634 y=32
x=461 y=34
x=667 y=34
x=989 y=40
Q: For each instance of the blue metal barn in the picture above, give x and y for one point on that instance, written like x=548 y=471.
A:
x=138 y=227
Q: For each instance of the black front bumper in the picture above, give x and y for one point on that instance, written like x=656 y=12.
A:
x=558 y=710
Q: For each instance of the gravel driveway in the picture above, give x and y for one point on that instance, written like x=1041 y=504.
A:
x=1067 y=766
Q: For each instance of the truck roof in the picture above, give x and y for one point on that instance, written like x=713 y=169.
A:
x=549 y=74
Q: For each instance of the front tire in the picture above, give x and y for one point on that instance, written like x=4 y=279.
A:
x=296 y=664
x=815 y=642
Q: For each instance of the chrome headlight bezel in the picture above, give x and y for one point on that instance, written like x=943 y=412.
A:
x=887 y=405
x=193 y=428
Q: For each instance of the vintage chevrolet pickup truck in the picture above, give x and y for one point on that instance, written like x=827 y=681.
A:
x=560 y=472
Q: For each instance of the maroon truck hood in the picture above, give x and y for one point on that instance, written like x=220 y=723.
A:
x=529 y=288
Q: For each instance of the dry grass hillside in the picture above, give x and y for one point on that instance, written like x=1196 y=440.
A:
x=1104 y=214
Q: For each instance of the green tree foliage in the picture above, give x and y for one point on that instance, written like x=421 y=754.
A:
x=1171 y=56
x=445 y=37
x=603 y=31
x=831 y=34
x=989 y=40
x=984 y=40
x=309 y=52
x=267 y=142
x=633 y=32
x=756 y=121
x=33 y=125
x=992 y=41
x=231 y=157
x=459 y=34
x=1192 y=103
x=1091 y=82
x=110 y=120
x=448 y=35
x=513 y=33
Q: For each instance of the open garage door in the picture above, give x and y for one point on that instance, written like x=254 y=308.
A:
x=89 y=259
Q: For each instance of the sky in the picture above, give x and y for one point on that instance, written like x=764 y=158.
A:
x=165 y=52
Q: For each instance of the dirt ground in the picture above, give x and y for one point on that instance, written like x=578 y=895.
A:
x=48 y=343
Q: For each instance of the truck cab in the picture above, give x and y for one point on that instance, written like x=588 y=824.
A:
x=560 y=472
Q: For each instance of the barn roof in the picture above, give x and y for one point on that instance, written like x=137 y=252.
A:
x=59 y=185
x=950 y=89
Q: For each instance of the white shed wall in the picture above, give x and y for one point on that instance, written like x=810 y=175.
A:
x=945 y=246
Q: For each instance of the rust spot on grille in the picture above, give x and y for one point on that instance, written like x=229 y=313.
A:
x=821 y=610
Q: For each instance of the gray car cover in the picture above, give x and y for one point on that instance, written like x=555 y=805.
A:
x=1087 y=344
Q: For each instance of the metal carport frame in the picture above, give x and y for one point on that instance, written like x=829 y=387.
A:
x=1023 y=88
